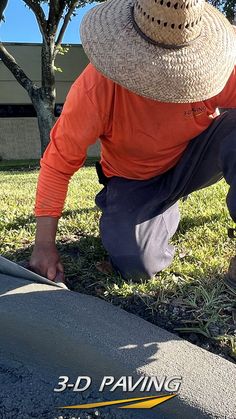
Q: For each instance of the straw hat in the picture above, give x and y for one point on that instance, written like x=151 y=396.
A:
x=168 y=50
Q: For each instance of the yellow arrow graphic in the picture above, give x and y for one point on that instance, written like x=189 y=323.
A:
x=142 y=403
x=148 y=404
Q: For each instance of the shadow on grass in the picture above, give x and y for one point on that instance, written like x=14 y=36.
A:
x=25 y=221
x=72 y=213
x=19 y=222
x=188 y=223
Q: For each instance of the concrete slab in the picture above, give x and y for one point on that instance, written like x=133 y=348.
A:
x=26 y=393
x=60 y=332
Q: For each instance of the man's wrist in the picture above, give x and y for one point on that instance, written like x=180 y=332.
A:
x=46 y=232
x=45 y=243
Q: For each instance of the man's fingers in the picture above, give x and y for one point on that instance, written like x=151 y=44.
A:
x=45 y=261
x=37 y=270
x=59 y=277
x=51 y=273
x=60 y=267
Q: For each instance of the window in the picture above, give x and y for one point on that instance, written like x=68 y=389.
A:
x=24 y=111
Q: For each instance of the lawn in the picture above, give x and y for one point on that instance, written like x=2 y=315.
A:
x=189 y=298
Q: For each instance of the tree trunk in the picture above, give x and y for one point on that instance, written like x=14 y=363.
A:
x=46 y=120
x=44 y=102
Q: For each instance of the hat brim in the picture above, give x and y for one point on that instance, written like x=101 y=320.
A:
x=192 y=73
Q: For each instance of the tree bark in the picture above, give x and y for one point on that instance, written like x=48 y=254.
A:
x=46 y=121
x=45 y=101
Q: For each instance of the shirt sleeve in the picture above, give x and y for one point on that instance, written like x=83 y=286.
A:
x=227 y=97
x=79 y=126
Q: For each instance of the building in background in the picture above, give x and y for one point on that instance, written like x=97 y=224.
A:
x=19 y=134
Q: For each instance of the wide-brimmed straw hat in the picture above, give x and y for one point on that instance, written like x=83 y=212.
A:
x=168 y=50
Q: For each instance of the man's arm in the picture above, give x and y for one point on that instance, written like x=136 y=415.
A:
x=79 y=126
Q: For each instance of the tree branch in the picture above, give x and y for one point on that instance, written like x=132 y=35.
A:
x=56 y=11
x=3 y=4
x=67 y=17
x=17 y=71
x=52 y=22
x=39 y=14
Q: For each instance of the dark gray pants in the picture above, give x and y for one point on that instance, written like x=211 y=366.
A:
x=140 y=216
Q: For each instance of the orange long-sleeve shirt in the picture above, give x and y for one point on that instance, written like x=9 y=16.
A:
x=140 y=137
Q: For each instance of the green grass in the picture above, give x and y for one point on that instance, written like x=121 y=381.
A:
x=190 y=296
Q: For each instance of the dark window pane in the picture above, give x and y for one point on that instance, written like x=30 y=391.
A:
x=24 y=111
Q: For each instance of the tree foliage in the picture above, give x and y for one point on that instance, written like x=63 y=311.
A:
x=228 y=7
x=3 y=4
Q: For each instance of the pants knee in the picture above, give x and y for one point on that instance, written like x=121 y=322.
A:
x=142 y=267
x=131 y=267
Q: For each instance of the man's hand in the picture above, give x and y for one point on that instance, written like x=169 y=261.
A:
x=45 y=261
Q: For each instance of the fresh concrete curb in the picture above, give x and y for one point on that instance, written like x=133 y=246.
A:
x=73 y=334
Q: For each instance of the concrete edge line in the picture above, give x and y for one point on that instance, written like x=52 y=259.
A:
x=69 y=332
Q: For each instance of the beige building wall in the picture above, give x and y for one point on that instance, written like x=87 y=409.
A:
x=19 y=137
x=29 y=58
x=19 y=140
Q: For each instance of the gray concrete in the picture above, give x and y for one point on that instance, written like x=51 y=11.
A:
x=26 y=393
x=55 y=332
